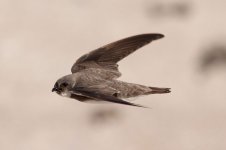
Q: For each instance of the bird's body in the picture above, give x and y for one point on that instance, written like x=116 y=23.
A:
x=94 y=75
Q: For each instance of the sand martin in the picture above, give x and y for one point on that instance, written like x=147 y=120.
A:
x=94 y=75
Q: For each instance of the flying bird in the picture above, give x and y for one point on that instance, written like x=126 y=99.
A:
x=94 y=75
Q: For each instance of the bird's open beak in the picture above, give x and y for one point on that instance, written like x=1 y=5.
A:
x=54 y=89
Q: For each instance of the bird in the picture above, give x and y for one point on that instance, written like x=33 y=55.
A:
x=94 y=76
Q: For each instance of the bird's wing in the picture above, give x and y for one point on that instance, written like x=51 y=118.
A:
x=100 y=95
x=106 y=57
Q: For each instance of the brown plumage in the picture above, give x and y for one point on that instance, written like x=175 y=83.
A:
x=94 y=75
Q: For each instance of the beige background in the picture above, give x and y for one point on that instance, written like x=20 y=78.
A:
x=40 y=40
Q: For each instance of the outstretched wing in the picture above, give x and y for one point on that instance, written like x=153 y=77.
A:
x=98 y=95
x=106 y=57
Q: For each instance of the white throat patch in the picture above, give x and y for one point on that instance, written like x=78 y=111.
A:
x=65 y=94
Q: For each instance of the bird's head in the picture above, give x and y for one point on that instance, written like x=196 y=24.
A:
x=62 y=85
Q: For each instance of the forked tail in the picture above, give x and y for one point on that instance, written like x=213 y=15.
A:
x=156 y=90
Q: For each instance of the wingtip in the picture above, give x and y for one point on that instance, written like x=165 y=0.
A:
x=141 y=106
x=158 y=36
x=152 y=36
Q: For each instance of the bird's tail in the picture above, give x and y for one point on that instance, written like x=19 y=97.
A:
x=156 y=90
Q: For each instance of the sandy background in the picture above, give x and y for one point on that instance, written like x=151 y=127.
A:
x=40 y=40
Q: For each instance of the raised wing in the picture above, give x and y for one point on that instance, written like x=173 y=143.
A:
x=106 y=57
x=98 y=95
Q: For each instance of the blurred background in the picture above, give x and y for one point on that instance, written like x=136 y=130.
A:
x=40 y=40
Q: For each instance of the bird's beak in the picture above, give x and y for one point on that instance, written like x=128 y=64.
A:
x=54 y=89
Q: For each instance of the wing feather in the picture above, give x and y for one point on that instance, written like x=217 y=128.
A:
x=108 y=56
x=93 y=93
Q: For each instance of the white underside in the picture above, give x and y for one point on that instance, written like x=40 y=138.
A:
x=65 y=94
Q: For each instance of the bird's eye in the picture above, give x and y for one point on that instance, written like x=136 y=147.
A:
x=64 y=84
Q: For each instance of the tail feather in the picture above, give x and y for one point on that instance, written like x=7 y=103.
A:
x=156 y=90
